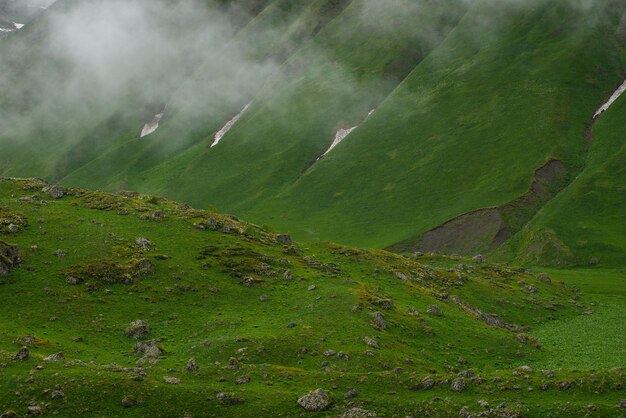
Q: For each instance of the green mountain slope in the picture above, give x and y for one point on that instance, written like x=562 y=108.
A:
x=263 y=319
x=471 y=119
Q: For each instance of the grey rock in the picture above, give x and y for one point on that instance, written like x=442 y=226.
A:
x=263 y=298
x=544 y=277
x=57 y=394
x=55 y=357
x=351 y=393
x=284 y=238
x=143 y=243
x=55 y=191
x=22 y=354
x=458 y=384
x=192 y=365
x=137 y=329
x=358 y=413
x=172 y=380
x=371 y=342
x=379 y=321
x=427 y=383
x=315 y=401
x=478 y=258
x=434 y=310
x=150 y=349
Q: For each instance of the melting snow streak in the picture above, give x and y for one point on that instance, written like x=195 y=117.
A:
x=220 y=134
x=153 y=125
x=612 y=100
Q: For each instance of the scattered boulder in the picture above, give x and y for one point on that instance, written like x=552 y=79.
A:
x=143 y=243
x=172 y=380
x=55 y=357
x=9 y=258
x=312 y=287
x=478 y=258
x=427 y=383
x=315 y=401
x=263 y=298
x=137 y=329
x=150 y=349
x=59 y=253
x=284 y=238
x=434 y=310
x=371 y=342
x=9 y=414
x=358 y=413
x=544 y=277
x=128 y=402
x=401 y=276
x=233 y=363
x=228 y=399
x=525 y=369
x=622 y=404
x=243 y=380
x=458 y=385
x=57 y=394
x=292 y=325
x=351 y=393
x=379 y=321
x=192 y=365
x=55 y=191
x=22 y=354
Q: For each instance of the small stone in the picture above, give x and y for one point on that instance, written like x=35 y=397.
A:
x=292 y=325
x=458 y=385
x=57 y=394
x=128 y=402
x=228 y=399
x=172 y=380
x=483 y=403
x=427 y=383
x=59 y=253
x=315 y=401
x=351 y=393
x=9 y=414
x=233 y=363
x=22 y=354
x=55 y=191
x=622 y=404
x=478 y=258
x=312 y=287
x=55 y=357
x=285 y=239
x=371 y=342
x=192 y=365
x=434 y=310
x=358 y=413
x=264 y=298
x=243 y=380
x=143 y=243
x=137 y=329
x=544 y=277
x=379 y=321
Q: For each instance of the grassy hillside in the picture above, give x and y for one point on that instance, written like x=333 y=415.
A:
x=266 y=320
x=472 y=100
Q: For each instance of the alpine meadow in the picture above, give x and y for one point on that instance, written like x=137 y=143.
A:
x=313 y=208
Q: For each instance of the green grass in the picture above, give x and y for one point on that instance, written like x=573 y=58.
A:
x=589 y=341
x=203 y=300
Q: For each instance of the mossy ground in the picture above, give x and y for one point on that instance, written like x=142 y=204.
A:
x=202 y=300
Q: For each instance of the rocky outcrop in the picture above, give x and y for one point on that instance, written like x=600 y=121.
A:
x=9 y=258
x=316 y=401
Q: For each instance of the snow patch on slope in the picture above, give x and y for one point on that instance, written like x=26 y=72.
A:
x=18 y=25
x=153 y=125
x=612 y=100
x=342 y=134
x=220 y=134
